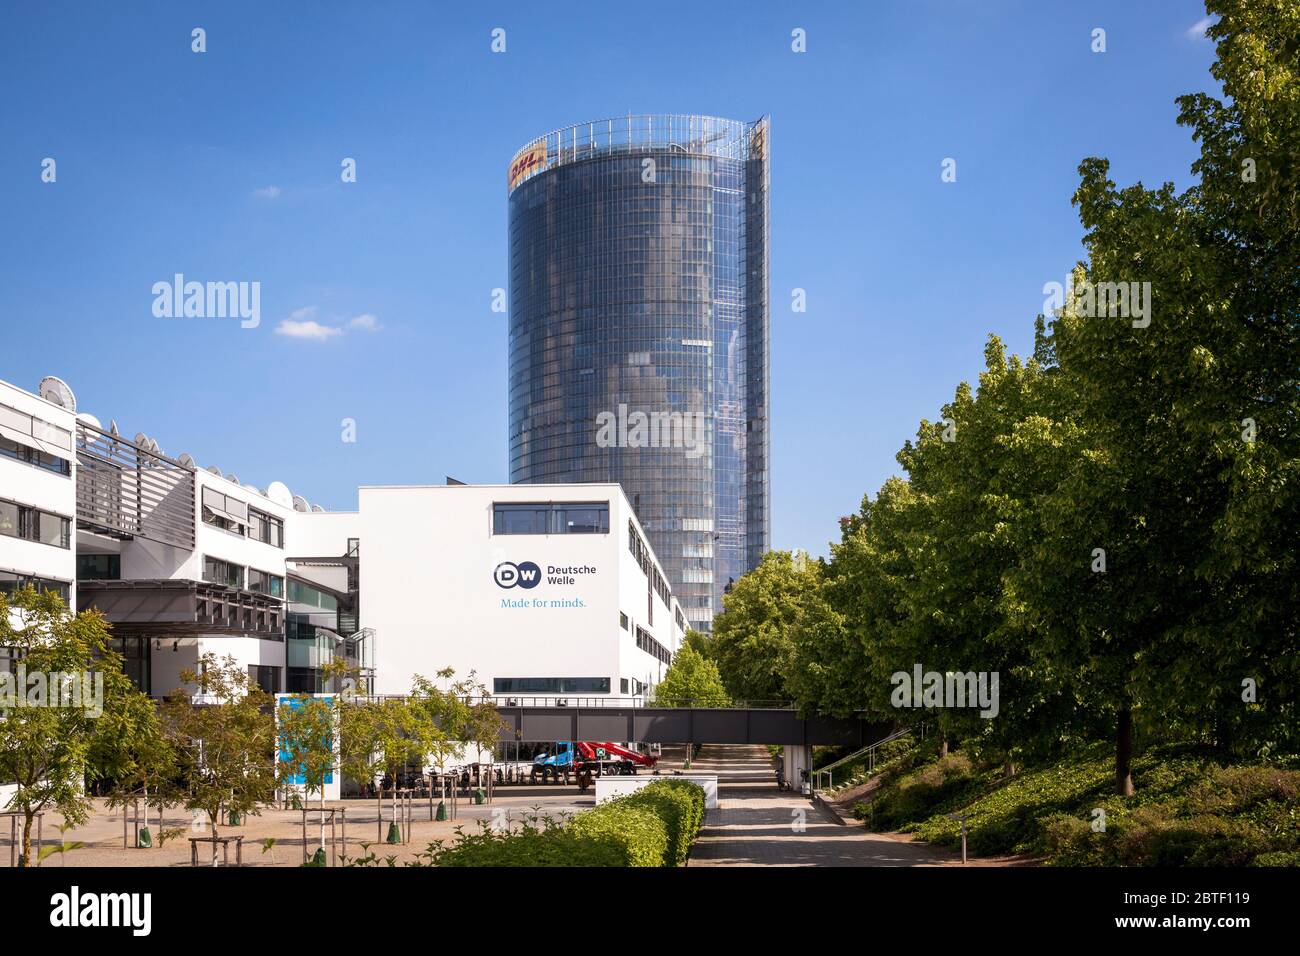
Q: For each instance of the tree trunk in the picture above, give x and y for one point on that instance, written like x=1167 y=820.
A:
x=1124 y=753
x=943 y=745
x=28 y=816
x=214 y=834
x=1008 y=769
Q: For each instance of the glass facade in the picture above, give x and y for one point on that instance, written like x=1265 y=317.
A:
x=639 y=332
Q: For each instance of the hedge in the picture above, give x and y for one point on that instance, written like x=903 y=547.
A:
x=654 y=826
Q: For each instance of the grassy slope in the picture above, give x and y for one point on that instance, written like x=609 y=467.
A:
x=1190 y=809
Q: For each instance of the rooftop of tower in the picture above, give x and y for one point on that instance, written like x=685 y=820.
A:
x=646 y=132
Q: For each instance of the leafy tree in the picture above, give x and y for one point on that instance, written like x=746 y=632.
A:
x=453 y=714
x=133 y=752
x=1187 y=473
x=752 y=639
x=691 y=681
x=46 y=744
x=380 y=737
x=306 y=730
x=223 y=731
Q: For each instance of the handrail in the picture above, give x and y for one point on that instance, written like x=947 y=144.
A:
x=869 y=751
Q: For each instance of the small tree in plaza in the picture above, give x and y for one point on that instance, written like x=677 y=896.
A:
x=224 y=736
x=453 y=714
x=378 y=738
x=65 y=681
x=307 y=729
x=692 y=681
x=133 y=751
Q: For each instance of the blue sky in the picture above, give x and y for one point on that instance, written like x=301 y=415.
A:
x=225 y=166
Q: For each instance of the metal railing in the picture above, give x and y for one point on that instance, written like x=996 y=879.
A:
x=824 y=779
x=129 y=491
x=574 y=701
x=682 y=133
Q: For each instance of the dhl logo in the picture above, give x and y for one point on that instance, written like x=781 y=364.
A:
x=526 y=162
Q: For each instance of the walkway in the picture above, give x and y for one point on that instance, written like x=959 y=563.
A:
x=757 y=825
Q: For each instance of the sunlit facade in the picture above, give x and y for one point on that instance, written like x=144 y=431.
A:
x=639 y=332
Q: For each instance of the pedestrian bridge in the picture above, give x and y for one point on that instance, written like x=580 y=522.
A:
x=544 y=723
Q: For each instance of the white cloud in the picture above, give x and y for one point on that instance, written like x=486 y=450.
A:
x=310 y=329
x=367 y=322
x=306 y=312
x=267 y=192
x=1197 y=30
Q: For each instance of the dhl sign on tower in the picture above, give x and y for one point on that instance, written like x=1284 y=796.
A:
x=527 y=161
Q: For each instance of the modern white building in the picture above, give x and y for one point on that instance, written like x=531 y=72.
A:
x=37 y=492
x=543 y=591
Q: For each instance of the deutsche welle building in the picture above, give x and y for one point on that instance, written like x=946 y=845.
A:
x=639 y=332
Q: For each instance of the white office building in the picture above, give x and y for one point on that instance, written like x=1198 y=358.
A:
x=542 y=591
x=37 y=493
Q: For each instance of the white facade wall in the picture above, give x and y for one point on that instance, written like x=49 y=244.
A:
x=428 y=557
x=37 y=487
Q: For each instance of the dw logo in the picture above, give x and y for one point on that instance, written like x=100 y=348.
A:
x=524 y=575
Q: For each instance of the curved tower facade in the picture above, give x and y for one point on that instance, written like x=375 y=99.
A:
x=639 y=332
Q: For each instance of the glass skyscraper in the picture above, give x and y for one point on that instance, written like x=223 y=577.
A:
x=639 y=332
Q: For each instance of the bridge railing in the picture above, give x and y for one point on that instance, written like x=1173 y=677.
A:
x=604 y=700
x=824 y=778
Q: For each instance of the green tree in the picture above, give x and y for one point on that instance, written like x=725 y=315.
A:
x=47 y=740
x=132 y=751
x=453 y=714
x=222 y=729
x=1185 y=482
x=691 y=681
x=752 y=639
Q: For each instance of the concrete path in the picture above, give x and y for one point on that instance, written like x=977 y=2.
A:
x=758 y=825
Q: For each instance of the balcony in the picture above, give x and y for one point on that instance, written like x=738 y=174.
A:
x=126 y=490
x=175 y=606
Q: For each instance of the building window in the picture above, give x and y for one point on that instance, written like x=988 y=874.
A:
x=216 y=571
x=550 y=685
x=354 y=548
x=622 y=620
x=265 y=676
x=302 y=593
x=564 y=517
x=647 y=643
x=224 y=512
x=12 y=582
x=622 y=685
x=99 y=567
x=642 y=555
x=34 y=456
x=32 y=524
x=265 y=583
x=265 y=528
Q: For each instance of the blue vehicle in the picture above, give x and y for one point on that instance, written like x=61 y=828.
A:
x=553 y=766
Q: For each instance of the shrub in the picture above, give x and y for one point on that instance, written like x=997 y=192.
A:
x=638 y=834
x=551 y=845
x=680 y=805
x=654 y=826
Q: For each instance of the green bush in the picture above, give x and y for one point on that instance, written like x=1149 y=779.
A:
x=680 y=805
x=654 y=826
x=638 y=834
x=551 y=845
